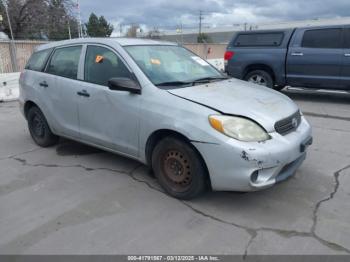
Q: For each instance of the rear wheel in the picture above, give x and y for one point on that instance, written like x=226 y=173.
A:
x=260 y=77
x=39 y=128
x=178 y=168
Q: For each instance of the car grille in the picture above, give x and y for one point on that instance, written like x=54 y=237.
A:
x=289 y=124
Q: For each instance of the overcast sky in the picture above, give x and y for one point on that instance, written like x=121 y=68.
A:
x=169 y=13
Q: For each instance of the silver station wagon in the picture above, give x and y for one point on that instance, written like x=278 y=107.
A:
x=162 y=105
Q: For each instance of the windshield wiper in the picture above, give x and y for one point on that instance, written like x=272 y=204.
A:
x=174 y=83
x=209 y=79
x=200 y=80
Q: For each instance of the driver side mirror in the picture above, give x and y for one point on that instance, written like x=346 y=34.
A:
x=124 y=84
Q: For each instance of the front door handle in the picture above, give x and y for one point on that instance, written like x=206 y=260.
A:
x=83 y=93
x=347 y=55
x=297 y=54
x=43 y=84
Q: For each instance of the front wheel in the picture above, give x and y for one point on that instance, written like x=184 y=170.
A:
x=179 y=168
x=39 y=128
x=260 y=77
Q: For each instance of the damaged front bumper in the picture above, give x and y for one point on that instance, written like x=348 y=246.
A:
x=239 y=166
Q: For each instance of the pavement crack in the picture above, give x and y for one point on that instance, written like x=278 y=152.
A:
x=253 y=232
x=22 y=153
x=25 y=163
x=253 y=236
x=317 y=207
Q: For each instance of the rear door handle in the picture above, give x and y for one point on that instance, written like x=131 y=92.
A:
x=297 y=54
x=83 y=93
x=43 y=84
x=347 y=55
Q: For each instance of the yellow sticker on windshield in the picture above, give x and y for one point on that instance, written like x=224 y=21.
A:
x=155 y=61
x=99 y=59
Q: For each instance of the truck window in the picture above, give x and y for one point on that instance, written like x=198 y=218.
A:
x=347 y=38
x=322 y=38
x=37 y=60
x=259 y=39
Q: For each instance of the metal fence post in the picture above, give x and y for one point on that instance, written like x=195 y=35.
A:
x=12 y=42
x=13 y=55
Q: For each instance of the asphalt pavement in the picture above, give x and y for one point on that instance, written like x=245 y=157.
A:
x=74 y=199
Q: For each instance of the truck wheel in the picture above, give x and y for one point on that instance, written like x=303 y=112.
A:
x=178 y=168
x=260 y=77
x=39 y=128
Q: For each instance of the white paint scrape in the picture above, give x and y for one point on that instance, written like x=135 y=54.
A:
x=9 y=87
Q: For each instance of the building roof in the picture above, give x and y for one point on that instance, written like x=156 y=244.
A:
x=225 y=33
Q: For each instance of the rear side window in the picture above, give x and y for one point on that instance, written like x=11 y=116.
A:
x=101 y=64
x=322 y=38
x=37 y=60
x=64 y=62
x=259 y=39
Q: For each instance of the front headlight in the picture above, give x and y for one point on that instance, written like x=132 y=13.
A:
x=239 y=128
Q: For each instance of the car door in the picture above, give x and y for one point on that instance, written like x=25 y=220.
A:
x=108 y=118
x=314 y=58
x=62 y=69
x=345 y=72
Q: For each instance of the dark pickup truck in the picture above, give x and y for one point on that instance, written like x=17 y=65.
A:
x=313 y=57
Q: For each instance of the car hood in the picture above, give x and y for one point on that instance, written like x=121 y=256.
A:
x=240 y=98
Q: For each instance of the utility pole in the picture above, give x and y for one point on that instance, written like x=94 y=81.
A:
x=13 y=47
x=80 y=28
x=200 y=21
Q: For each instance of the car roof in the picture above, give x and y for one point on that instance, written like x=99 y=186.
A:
x=110 y=41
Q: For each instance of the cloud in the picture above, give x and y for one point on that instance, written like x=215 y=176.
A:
x=168 y=14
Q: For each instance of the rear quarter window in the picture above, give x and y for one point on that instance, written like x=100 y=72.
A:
x=259 y=39
x=38 y=60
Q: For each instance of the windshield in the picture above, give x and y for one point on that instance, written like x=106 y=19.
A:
x=172 y=65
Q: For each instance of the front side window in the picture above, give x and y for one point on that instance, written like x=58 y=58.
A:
x=322 y=38
x=171 y=64
x=101 y=64
x=65 y=61
x=37 y=60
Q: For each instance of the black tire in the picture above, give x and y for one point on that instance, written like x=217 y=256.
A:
x=260 y=77
x=39 y=128
x=178 y=168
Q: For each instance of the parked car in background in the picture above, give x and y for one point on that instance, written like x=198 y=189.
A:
x=162 y=105
x=313 y=57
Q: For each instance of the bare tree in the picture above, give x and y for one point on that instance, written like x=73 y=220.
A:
x=38 y=19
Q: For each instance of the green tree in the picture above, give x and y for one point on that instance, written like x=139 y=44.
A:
x=107 y=28
x=98 y=26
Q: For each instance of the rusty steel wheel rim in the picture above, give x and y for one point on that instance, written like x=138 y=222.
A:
x=177 y=170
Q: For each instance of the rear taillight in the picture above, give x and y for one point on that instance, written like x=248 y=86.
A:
x=228 y=55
